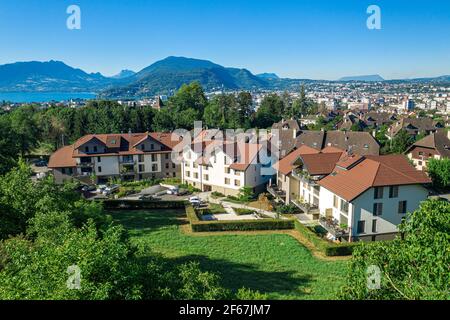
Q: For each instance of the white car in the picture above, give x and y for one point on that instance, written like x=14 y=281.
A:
x=101 y=188
x=111 y=189
x=194 y=199
x=173 y=191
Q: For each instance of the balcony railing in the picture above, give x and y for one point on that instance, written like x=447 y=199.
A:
x=305 y=206
x=334 y=227
x=85 y=165
x=303 y=176
x=276 y=192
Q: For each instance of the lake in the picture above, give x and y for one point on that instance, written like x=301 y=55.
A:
x=27 y=97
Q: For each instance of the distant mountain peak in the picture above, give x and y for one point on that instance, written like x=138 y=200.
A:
x=268 y=75
x=125 y=73
x=371 y=77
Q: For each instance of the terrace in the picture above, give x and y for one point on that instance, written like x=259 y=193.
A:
x=275 y=191
x=334 y=227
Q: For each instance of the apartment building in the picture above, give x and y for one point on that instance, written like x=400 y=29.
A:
x=226 y=166
x=131 y=156
x=354 y=197
x=367 y=197
x=433 y=146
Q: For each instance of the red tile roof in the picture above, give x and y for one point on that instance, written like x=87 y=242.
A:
x=62 y=158
x=373 y=171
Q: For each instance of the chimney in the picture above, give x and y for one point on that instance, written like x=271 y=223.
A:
x=294 y=133
x=448 y=134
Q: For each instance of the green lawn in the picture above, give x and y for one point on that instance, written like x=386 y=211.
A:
x=276 y=264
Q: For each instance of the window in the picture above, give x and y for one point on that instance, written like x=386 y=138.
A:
x=142 y=147
x=237 y=173
x=402 y=207
x=195 y=175
x=344 y=206
x=141 y=168
x=173 y=165
x=152 y=146
x=174 y=174
x=378 y=193
x=377 y=209
x=188 y=174
x=419 y=163
x=154 y=167
x=227 y=170
x=95 y=148
x=374 y=226
x=237 y=183
x=206 y=177
x=393 y=191
x=167 y=166
x=335 y=201
x=154 y=158
x=225 y=159
x=361 y=226
x=227 y=180
x=99 y=169
x=99 y=159
x=86 y=149
x=167 y=156
x=141 y=158
x=195 y=165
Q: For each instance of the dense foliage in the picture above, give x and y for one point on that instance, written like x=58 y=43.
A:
x=416 y=267
x=47 y=229
x=439 y=171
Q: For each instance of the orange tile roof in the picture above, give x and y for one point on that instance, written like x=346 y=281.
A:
x=62 y=158
x=320 y=163
x=286 y=165
x=373 y=171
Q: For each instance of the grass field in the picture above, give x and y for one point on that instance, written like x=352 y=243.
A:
x=275 y=264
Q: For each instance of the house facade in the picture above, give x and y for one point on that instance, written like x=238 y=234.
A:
x=354 y=197
x=226 y=166
x=433 y=146
x=133 y=156
x=369 y=199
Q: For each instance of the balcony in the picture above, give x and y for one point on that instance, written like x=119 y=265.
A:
x=276 y=192
x=303 y=176
x=305 y=206
x=334 y=227
x=85 y=165
x=128 y=161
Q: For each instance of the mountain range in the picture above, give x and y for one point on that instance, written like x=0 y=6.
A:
x=162 y=77
x=366 y=78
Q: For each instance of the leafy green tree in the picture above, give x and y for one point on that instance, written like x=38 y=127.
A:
x=439 y=172
x=24 y=128
x=246 y=194
x=401 y=142
x=415 y=267
x=269 y=112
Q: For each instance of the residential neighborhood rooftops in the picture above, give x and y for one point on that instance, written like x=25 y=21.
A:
x=372 y=171
x=320 y=163
x=286 y=165
x=439 y=141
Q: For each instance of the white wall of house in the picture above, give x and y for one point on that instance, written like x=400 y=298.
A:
x=361 y=208
x=390 y=218
x=110 y=165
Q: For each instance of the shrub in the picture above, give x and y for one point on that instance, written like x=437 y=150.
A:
x=243 y=211
x=248 y=294
x=216 y=194
x=239 y=225
x=287 y=209
x=326 y=247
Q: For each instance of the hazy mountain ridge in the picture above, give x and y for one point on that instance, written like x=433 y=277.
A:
x=162 y=77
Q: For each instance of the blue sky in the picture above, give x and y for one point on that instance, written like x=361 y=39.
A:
x=315 y=39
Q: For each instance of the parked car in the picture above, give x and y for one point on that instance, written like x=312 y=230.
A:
x=183 y=192
x=87 y=188
x=173 y=191
x=40 y=163
x=146 y=197
x=111 y=189
x=194 y=199
x=101 y=188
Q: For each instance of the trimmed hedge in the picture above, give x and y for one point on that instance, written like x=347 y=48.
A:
x=239 y=225
x=328 y=248
x=142 y=204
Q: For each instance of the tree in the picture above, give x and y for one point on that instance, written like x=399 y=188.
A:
x=439 y=172
x=401 y=142
x=24 y=128
x=269 y=112
x=246 y=194
x=415 y=267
